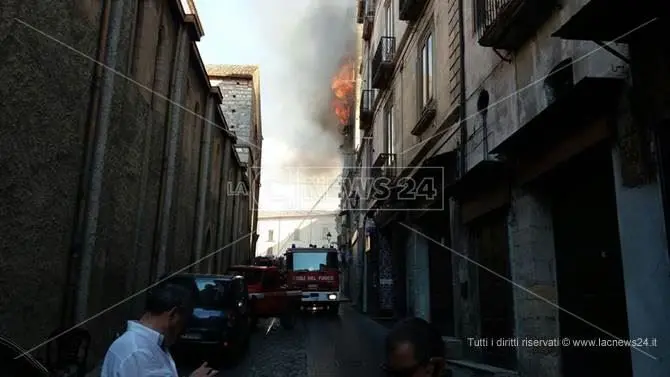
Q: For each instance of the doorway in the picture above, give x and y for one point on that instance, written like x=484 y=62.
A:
x=488 y=236
x=588 y=264
x=436 y=226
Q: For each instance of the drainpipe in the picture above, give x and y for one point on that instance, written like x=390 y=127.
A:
x=462 y=112
x=174 y=128
x=205 y=154
x=457 y=233
x=98 y=163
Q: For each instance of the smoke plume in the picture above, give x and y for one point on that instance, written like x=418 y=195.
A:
x=322 y=37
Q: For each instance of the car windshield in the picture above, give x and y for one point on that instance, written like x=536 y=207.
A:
x=209 y=292
x=313 y=261
x=251 y=276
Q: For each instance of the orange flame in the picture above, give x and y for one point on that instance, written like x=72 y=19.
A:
x=343 y=86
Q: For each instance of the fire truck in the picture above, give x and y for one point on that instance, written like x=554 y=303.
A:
x=316 y=272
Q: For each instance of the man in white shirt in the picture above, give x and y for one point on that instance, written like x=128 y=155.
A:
x=142 y=351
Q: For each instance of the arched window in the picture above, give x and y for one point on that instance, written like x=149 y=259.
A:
x=483 y=102
x=480 y=133
x=559 y=81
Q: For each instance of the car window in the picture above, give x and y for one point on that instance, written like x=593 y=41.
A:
x=208 y=292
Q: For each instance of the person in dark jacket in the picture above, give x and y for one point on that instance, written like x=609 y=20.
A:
x=414 y=348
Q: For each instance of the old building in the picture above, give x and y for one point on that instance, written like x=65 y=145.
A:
x=241 y=106
x=553 y=150
x=113 y=174
x=407 y=107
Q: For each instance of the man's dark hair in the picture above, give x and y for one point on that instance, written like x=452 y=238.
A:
x=423 y=336
x=166 y=296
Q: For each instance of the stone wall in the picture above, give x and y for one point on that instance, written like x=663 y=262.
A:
x=46 y=137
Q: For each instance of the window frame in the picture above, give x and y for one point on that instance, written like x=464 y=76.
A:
x=389 y=19
x=389 y=127
x=426 y=64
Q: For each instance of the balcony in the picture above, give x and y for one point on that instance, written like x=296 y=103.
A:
x=425 y=118
x=384 y=160
x=368 y=20
x=508 y=24
x=410 y=10
x=367 y=109
x=477 y=168
x=616 y=20
x=382 y=62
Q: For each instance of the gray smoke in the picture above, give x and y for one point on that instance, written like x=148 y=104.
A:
x=321 y=36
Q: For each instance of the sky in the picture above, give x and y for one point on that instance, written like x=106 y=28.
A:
x=297 y=44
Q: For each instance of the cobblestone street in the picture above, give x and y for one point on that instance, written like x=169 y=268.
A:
x=318 y=346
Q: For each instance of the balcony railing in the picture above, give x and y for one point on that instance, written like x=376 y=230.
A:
x=368 y=19
x=410 y=10
x=367 y=107
x=382 y=62
x=508 y=24
x=385 y=160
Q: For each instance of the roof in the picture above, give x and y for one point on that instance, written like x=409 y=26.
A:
x=224 y=70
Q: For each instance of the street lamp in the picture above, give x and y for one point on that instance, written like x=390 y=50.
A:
x=328 y=236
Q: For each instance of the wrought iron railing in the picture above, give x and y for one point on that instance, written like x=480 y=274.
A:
x=384 y=54
x=487 y=11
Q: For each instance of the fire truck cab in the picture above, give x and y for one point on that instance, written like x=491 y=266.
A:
x=315 y=272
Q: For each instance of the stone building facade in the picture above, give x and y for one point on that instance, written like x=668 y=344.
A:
x=241 y=106
x=112 y=174
x=550 y=129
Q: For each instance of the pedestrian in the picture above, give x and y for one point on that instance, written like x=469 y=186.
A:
x=414 y=348
x=142 y=350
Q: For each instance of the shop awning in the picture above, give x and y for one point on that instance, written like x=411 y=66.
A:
x=609 y=20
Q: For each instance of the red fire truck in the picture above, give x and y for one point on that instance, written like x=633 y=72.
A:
x=316 y=272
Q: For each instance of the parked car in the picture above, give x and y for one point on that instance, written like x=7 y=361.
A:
x=219 y=329
x=13 y=366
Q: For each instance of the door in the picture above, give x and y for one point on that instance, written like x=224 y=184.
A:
x=588 y=264
x=496 y=301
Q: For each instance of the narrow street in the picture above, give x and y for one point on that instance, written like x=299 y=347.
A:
x=350 y=345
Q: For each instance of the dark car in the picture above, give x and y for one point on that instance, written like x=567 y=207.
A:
x=219 y=328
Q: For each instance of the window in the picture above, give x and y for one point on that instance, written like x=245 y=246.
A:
x=296 y=235
x=388 y=130
x=271 y=235
x=426 y=71
x=388 y=11
x=313 y=261
x=325 y=233
x=208 y=293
